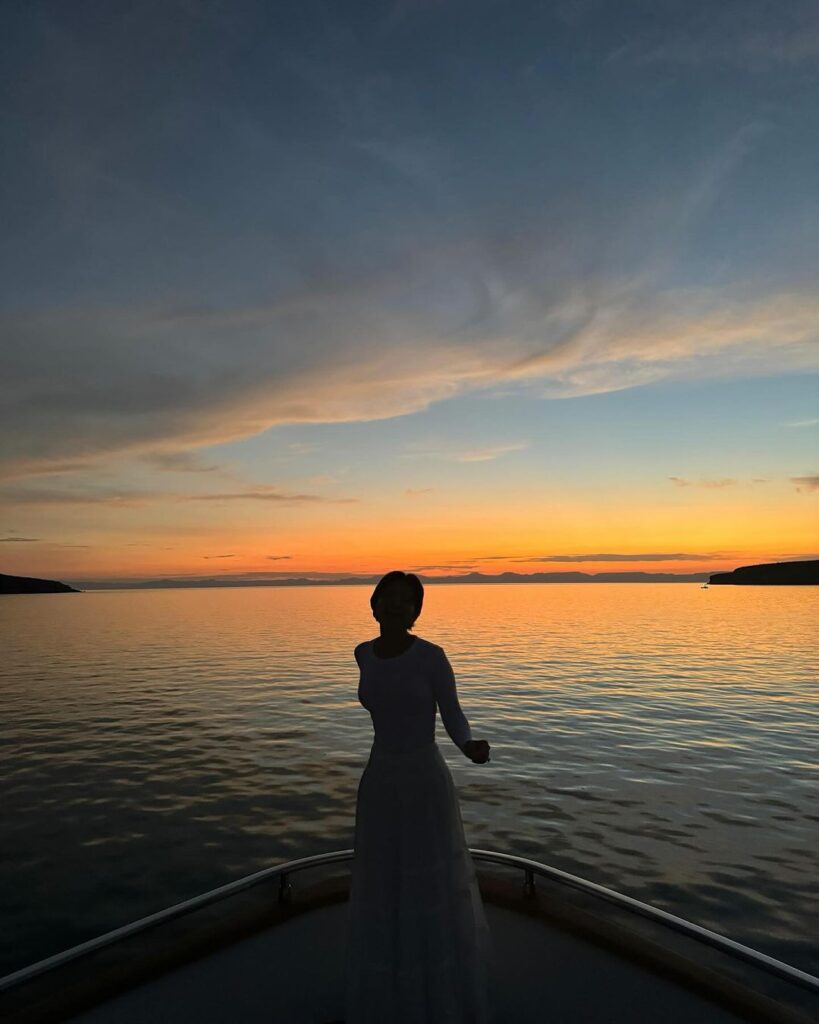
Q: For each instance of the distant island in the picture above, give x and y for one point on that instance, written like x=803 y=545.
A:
x=29 y=585
x=347 y=581
x=772 y=574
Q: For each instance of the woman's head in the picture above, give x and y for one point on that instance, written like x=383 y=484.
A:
x=397 y=599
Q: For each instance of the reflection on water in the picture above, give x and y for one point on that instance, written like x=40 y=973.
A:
x=659 y=739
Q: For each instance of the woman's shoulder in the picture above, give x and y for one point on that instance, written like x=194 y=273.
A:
x=429 y=648
x=429 y=644
x=425 y=646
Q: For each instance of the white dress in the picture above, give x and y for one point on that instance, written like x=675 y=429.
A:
x=419 y=947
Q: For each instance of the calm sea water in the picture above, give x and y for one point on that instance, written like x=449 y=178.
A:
x=658 y=739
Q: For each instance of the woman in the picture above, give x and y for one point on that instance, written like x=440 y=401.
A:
x=419 y=946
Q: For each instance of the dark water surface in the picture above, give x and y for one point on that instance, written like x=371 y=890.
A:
x=658 y=739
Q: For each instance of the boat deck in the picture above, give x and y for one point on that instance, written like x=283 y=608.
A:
x=542 y=973
x=261 y=949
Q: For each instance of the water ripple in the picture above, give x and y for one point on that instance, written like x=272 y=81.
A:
x=657 y=739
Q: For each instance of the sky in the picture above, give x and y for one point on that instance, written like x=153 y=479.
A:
x=324 y=289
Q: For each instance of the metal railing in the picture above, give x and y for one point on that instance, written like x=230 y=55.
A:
x=533 y=867
x=530 y=868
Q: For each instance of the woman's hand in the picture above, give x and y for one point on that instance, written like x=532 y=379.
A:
x=477 y=751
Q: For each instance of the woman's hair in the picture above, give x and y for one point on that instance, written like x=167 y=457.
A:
x=416 y=585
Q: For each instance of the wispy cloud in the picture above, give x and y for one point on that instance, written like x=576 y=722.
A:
x=302 y=447
x=271 y=495
x=179 y=462
x=455 y=566
x=45 y=466
x=482 y=454
x=413 y=492
x=803 y=423
x=717 y=484
x=90 y=496
x=733 y=34
x=218 y=556
x=277 y=558
x=488 y=453
x=125 y=498
x=678 y=556
x=82 y=384
x=19 y=540
x=100 y=401
x=708 y=484
x=805 y=484
x=674 y=335
x=652 y=556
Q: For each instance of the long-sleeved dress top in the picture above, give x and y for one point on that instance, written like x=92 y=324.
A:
x=401 y=694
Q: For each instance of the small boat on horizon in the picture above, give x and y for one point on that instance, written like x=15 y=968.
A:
x=262 y=948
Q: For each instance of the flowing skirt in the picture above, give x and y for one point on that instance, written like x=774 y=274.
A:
x=419 y=947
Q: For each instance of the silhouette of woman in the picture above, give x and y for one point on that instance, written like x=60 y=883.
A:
x=419 y=946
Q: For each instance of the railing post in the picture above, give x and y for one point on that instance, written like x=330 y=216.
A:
x=529 y=883
x=285 y=891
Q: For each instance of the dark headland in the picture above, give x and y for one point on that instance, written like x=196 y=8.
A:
x=29 y=585
x=772 y=574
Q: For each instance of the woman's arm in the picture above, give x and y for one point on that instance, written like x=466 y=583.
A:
x=455 y=721
x=446 y=697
